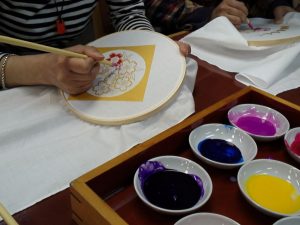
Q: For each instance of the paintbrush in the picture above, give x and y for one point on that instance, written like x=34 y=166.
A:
x=8 y=219
x=45 y=48
x=250 y=24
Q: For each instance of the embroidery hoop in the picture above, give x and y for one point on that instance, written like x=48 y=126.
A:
x=165 y=79
x=277 y=34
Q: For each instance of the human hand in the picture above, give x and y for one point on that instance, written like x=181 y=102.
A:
x=234 y=10
x=280 y=11
x=185 y=49
x=75 y=75
x=72 y=75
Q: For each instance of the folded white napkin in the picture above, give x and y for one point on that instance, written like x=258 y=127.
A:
x=221 y=44
x=43 y=147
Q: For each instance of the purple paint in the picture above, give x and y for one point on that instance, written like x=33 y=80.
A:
x=295 y=146
x=256 y=125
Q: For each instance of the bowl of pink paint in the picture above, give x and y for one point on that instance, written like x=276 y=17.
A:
x=261 y=122
x=292 y=142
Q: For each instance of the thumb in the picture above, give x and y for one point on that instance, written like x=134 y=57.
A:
x=278 y=20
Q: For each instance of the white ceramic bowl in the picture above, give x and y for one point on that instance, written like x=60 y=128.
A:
x=268 y=167
x=292 y=136
x=269 y=115
x=206 y=219
x=290 y=220
x=182 y=165
x=239 y=138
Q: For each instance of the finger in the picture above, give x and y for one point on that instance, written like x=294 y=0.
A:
x=185 y=48
x=75 y=87
x=235 y=20
x=83 y=66
x=278 y=21
x=89 y=51
x=234 y=12
x=239 y=7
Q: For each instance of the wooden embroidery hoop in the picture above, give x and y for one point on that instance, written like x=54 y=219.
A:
x=165 y=79
x=275 y=37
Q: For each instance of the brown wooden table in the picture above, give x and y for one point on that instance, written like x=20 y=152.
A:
x=212 y=85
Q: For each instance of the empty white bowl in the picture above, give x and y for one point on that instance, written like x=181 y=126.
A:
x=182 y=165
x=276 y=169
x=237 y=137
x=261 y=122
x=206 y=219
x=290 y=220
x=292 y=143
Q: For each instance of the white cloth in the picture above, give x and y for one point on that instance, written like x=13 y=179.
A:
x=43 y=147
x=274 y=69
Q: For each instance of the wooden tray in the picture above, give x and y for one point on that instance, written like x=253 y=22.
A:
x=106 y=196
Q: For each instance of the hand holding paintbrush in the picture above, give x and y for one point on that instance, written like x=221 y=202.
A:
x=73 y=70
x=235 y=11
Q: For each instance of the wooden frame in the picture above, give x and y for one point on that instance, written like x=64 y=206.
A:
x=98 y=196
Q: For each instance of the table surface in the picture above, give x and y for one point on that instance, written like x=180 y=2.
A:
x=212 y=85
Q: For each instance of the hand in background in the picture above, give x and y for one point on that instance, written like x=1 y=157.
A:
x=280 y=11
x=234 y=10
x=72 y=75
x=185 y=49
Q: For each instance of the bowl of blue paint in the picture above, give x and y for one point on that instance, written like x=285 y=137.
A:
x=223 y=146
x=172 y=184
x=205 y=218
x=292 y=143
x=261 y=122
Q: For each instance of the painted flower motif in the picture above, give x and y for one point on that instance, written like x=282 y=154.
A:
x=128 y=67
x=101 y=88
x=122 y=83
x=116 y=59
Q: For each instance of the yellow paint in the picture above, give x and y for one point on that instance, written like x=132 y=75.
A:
x=135 y=94
x=273 y=193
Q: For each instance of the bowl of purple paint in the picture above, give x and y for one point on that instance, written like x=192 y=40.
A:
x=292 y=143
x=222 y=146
x=172 y=185
x=261 y=122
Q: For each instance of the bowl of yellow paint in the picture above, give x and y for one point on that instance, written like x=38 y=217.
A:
x=271 y=186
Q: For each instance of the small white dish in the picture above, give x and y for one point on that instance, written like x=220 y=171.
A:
x=182 y=165
x=239 y=138
x=261 y=122
x=273 y=168
x=292 y=142
x=290 y=220
x=206 y=219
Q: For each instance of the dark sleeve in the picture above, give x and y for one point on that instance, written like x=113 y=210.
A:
x=198 y=18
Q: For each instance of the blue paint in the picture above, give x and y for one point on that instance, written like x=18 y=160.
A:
x=220 y=150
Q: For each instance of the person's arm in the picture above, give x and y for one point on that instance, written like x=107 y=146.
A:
x=72 y=75
x=278 y=9
x=131 y=15
x=128 y=15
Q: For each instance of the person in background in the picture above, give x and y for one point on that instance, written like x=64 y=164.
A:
x=296 y=4
x=62 y=24
x=170 y=16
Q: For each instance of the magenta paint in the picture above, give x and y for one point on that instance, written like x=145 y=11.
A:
x=295 y=146
x=256 y=125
